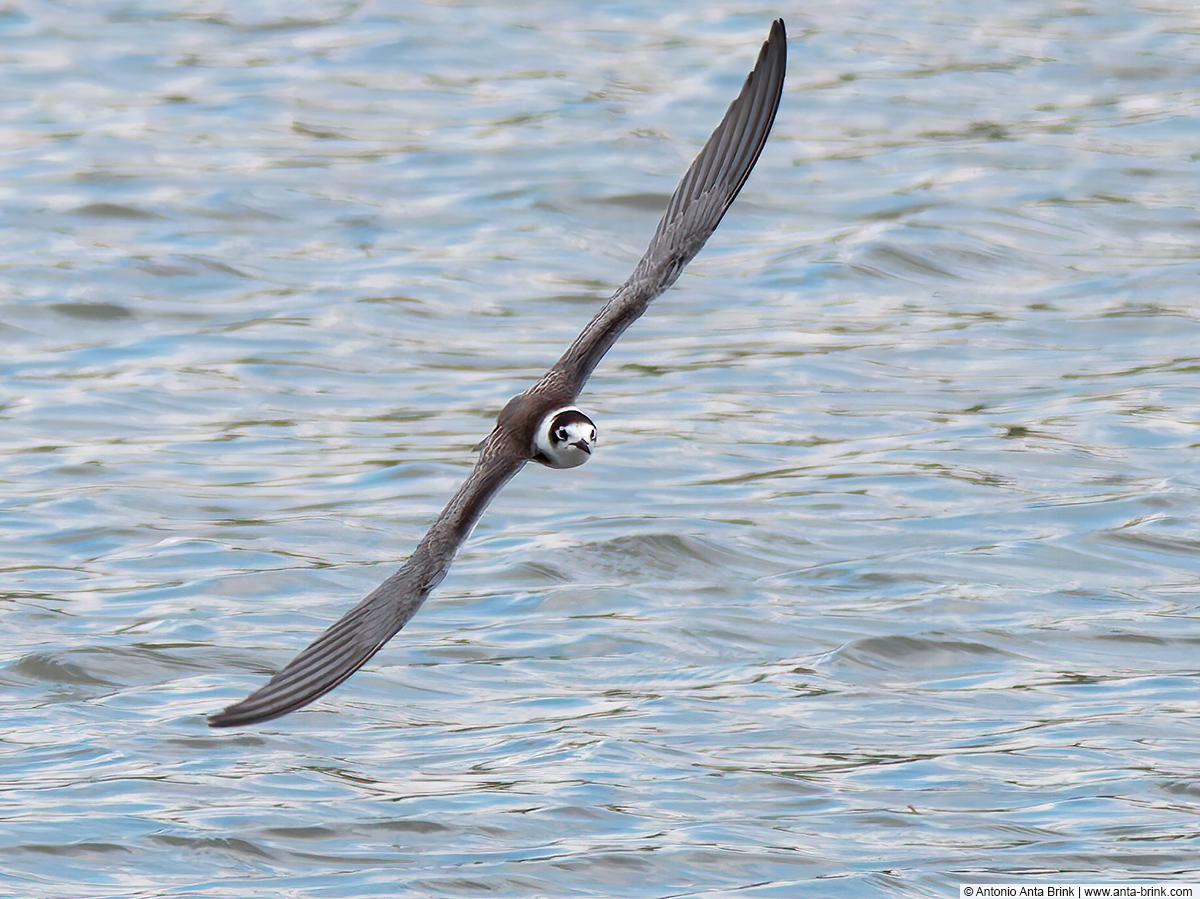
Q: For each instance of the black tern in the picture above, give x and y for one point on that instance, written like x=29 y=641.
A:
x=542 y=424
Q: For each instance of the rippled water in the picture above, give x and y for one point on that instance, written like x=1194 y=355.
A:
x=885 y=578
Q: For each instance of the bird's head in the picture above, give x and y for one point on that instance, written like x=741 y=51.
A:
x=564 y=438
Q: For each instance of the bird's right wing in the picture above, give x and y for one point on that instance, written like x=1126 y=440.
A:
x=693 y=212
x=347 y=645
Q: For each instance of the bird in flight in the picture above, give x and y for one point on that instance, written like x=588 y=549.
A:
x=542 y=424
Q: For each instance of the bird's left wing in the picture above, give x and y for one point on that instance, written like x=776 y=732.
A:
x=702 y=198
x=362 y=631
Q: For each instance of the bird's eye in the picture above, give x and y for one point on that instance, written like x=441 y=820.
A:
x=560 y=434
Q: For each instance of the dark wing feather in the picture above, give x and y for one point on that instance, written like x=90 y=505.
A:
x=362 y=631
x=693 y=213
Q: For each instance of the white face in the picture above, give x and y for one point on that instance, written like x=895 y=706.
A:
x=565 y=438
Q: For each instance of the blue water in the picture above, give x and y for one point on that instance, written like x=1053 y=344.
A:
x=885 y=577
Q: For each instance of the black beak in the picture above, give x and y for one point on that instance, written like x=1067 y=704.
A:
x=582 y=444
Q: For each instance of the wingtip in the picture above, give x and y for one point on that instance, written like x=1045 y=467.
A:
x=247 y=712
x=778 y=35
x=272 y=701
x=230 y=716
x=225 y=718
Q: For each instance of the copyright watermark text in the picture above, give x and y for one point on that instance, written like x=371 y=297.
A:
x=1079 y=891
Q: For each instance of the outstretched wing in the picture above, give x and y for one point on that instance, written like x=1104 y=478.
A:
x=362 y=631
x=693 y=213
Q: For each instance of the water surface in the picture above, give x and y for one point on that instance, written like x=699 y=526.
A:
x=885 y=577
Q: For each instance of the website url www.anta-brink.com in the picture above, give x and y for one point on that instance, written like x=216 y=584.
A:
x=1078 y=890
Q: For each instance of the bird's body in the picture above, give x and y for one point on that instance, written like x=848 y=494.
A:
x=542 y=424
